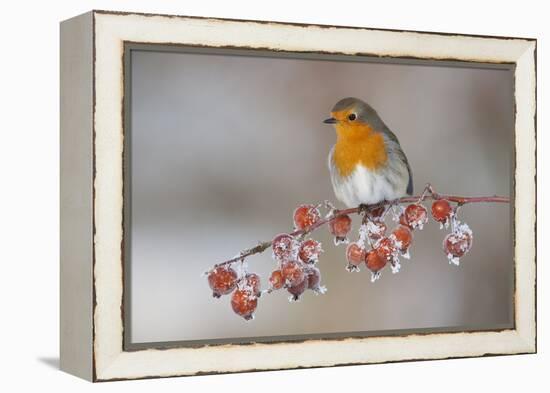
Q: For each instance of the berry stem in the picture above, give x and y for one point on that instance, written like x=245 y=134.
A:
x=428 y=193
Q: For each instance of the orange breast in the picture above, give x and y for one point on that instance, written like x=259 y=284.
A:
x=358 y=144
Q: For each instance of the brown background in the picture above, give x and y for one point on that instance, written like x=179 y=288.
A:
x=225 y=147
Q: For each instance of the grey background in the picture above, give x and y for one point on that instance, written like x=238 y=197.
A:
x=223 y=148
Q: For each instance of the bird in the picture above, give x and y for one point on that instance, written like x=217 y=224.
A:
x=367 y=164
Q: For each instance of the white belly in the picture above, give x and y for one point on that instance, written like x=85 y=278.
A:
x=365 y=187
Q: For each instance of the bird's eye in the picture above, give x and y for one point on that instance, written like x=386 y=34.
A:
x=352 y=117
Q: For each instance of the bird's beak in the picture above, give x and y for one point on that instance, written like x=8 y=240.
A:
x=330 y=120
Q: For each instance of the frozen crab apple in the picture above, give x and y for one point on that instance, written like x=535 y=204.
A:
x=252 y=283
x=403 y=237
x=222 y=280
x=375 y=261
x=298 y=289
x=276 y=279
x=416 y=216
x=340 y=227
x=313 y=278
x=309 y=251
x=305 y=216
x=284 y=247
x=441 y=210
x=355 y=254
x=386 y=248
x=458 y=243
x=244 y=303
x=293 y=272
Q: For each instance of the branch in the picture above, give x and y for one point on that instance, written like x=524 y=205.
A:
x=428 y=194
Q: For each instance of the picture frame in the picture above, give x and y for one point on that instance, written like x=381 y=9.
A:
x=93 y=223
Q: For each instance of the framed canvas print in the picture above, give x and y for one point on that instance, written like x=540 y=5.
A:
x=245 y=195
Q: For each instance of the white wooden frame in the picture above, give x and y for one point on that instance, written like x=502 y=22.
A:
x=92 y=133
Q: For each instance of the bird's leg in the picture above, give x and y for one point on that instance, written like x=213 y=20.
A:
x=363 y=208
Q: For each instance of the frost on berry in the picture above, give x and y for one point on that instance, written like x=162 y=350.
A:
x=402 y=236
x=340 y=227
x=251 y=283
x=222 y=280
x=305 y=216
x=355 y=254
x=416 y=216
x=297 y=289
x=442 y=212
x=375 y=229
x=285 y=247
x=395 y=266
x=276 y=280
x=386 y=248
x=309 y=251
x=458 y=242
x=244 y=303
x=384 y=251
x=293 y=272
x=363 y=235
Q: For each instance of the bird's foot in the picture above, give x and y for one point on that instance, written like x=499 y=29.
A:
x=363 y=208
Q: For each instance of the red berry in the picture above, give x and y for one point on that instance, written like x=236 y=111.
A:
x=375 y=261
x=293 y=273
x=385 y=248
x=222 y=280
x=355 y=254
x=297 y=289
x=340 y=226
x=441 y=210
x=313 y=278
x=276 y=279
x=244 y=303
x=305 y=216
x=416 y=215
x=252 y=282
x=309 y=251
x=403 y=237
x=284 y=247
x=457 y=244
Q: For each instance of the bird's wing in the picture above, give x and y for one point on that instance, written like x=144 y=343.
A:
x=410 y=185
x=391 y=136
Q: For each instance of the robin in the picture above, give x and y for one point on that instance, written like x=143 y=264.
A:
x=367 y=164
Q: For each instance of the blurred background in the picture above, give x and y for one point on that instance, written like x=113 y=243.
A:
x=223 y=148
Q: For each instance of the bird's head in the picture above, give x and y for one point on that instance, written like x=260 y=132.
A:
x=351 y=116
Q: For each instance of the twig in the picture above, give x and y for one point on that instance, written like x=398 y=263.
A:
x=428 y=193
